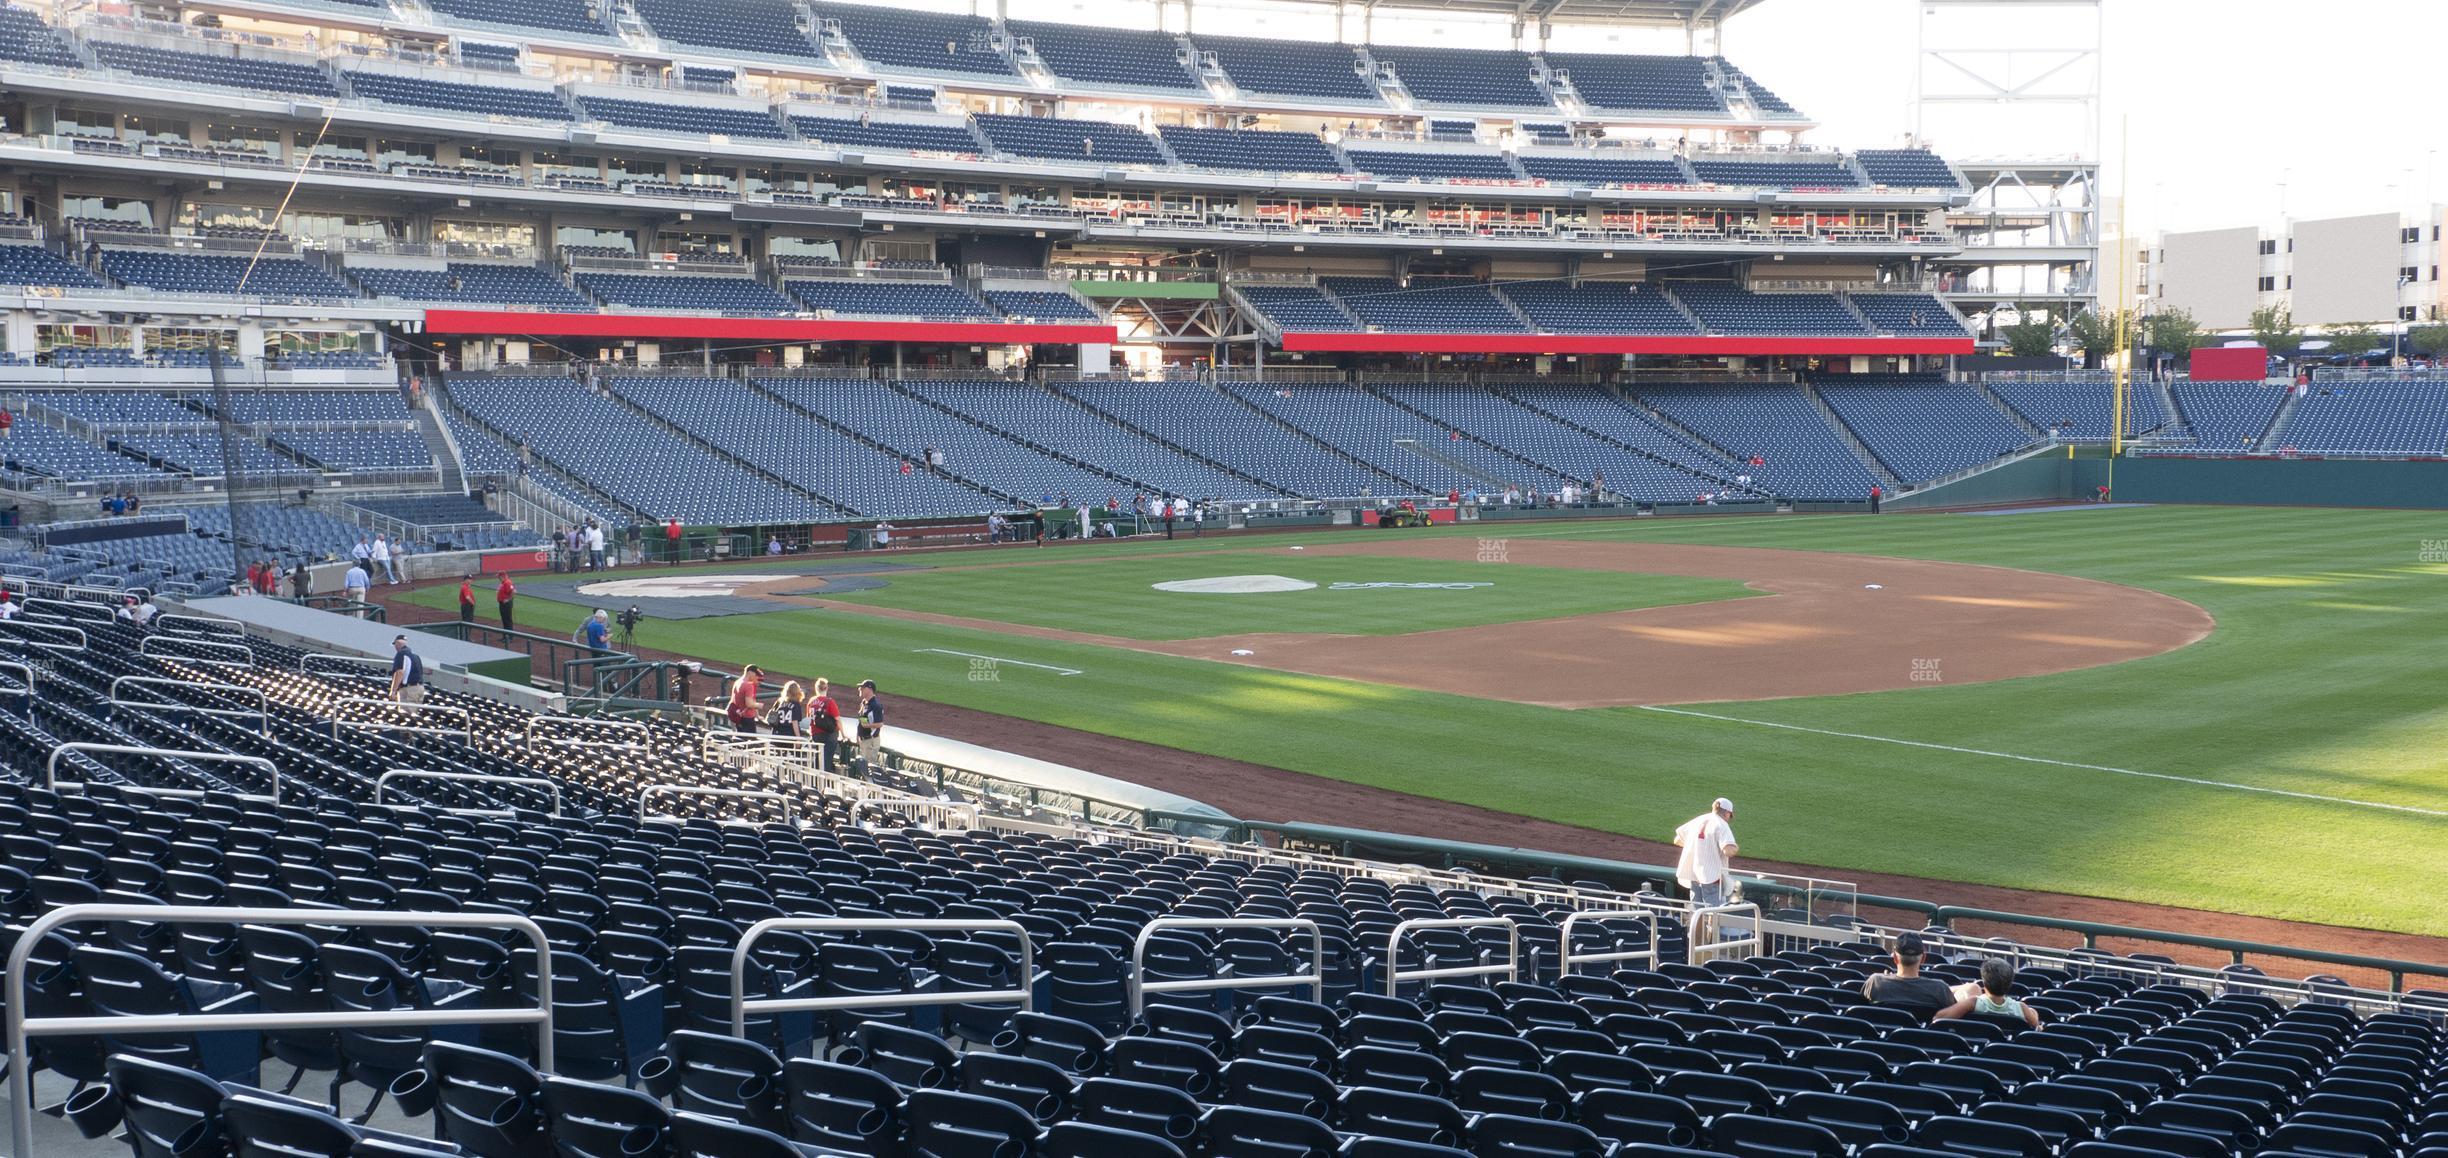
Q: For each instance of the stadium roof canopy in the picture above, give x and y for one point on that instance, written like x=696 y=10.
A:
x=1670 y=13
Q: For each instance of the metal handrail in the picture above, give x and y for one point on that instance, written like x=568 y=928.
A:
x=466 y=731
x=306 y=662
x=2090 y=962
x=146 y=649
x=2091 y=932
x=389 y=775
x=12 y=665
x=740 y=1004
x=1431 y=850
x=68 y=609
x=1698 y=946
x=795 y=759
x=943 y=815
x=10 y=626
x=790 y=808
x=1140 y=986
x=51 y=766
x=645 y=733
x=106 y=597
x=1566 y=958
x=1810 y=889
x=164 y=623
x=20 y=1027
x=1511 y=969
x=263 y=702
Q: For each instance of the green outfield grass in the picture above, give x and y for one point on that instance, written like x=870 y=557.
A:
x=2327 y=678
x=1118 y=597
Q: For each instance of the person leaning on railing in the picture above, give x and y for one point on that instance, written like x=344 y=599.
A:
x=741 y=709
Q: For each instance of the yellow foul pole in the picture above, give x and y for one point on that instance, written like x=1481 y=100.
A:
x=2122 y=347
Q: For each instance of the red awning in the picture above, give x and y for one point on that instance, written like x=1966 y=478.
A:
x=507 y=323
x=1613 y=344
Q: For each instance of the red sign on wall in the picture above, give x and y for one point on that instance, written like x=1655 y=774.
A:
x=2229 y=364
x=500 y=562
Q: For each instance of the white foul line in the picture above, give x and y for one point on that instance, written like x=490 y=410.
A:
x=2058 y=763
x=1069 y=671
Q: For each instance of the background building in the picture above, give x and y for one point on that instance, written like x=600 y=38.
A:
x=2375 y=269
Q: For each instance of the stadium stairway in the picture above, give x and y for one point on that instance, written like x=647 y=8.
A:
x=1852 y=440
x=1458 y=466
x=1667 y=422
x=2037 y=435
x=742 y=463
x=551 y=482
x=1684 y=308
x=438 y=443
x=1718 y=454
x=2167 y=406
x=1274 y=330
x=2275 y=436
x=1048 y=451
x=1137 y=431
x=1607 y=439
x=881 y=446
x=1330 y=449
x=1571 y=471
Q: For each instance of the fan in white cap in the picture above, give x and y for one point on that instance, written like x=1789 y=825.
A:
x=1705 y=867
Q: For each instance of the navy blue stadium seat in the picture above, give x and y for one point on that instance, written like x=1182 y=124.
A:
x=1116 y=57
x=697 y=120
x=1056 y=138
x=483 y=100
x=876 y=132
x=1639 y=83
x=1480 y=78
x=222 y=71
x=761 y=27
x=1251 y=150
x=901 y=38
x=1291 y=68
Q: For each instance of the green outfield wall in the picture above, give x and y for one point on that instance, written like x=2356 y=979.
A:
x=2333 y=482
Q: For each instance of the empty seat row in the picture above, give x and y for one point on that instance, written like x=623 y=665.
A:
x=238 y=72
x=762 y=27
x=1109 y=56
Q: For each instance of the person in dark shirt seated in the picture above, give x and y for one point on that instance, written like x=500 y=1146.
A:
x=1906 y=988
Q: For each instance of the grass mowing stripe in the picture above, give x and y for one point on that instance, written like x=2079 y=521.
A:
x=996 y=659
x=1118 y=597
x=2321 y=678
x=2046 y=760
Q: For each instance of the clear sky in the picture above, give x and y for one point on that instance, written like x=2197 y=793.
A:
x=2239 y=111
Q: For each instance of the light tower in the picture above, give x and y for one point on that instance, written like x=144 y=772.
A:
x=2026 y=71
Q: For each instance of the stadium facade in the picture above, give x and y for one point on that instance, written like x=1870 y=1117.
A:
x=486 y=184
